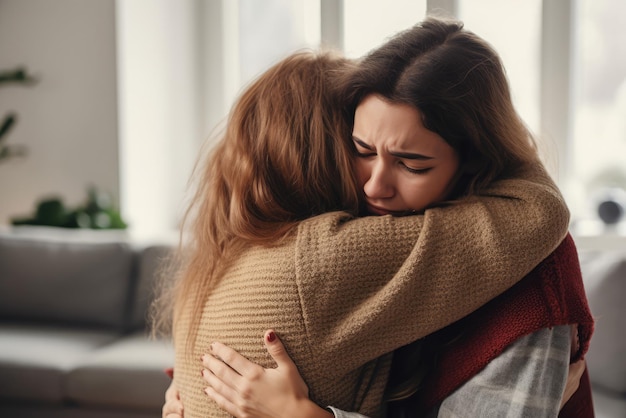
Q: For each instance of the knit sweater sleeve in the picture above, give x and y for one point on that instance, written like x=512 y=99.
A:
x=370 y=285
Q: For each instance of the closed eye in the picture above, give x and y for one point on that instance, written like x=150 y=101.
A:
x=362 y=149
x=364 y=154
x=416 y=170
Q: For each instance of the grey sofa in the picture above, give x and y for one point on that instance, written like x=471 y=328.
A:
x=73 y=339
x=73 y=335
x=604 y=275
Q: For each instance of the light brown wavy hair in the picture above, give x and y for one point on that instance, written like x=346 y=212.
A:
x=285 y=156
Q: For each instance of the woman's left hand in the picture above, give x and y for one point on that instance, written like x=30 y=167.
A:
x=173 y=407
x=246 y=390
x=576 y=371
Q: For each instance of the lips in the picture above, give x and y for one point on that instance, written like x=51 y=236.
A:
x=375 y=210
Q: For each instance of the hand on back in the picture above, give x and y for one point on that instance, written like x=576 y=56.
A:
x=247 y=390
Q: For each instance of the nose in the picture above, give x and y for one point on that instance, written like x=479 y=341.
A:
x=379 y=181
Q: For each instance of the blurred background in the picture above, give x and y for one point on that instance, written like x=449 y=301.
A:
x=121 y=95
x=106 y=104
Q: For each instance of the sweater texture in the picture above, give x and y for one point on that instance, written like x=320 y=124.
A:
x=342 y=293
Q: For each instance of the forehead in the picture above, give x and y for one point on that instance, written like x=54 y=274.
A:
x=376 y=107
x=396 y=126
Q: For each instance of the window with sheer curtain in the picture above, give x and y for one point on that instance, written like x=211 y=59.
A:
x=587 y=150
x=597 y=172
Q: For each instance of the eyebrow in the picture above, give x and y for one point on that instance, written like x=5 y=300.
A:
x=405 y=155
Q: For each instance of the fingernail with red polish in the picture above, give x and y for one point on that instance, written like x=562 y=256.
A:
x=271 y=337
x=170 y=372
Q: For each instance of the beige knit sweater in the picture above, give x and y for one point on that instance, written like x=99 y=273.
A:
x=343 y=292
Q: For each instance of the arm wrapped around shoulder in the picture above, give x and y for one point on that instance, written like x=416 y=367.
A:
x=370 y=285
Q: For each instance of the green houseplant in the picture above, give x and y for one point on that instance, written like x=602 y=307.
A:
x=97 y=212
x=19 y=76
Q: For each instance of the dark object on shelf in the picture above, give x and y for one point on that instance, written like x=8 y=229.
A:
x=611 y=206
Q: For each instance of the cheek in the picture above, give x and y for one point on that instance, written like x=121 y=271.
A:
x=422 y=192
x=448 y=183
x=362 y=172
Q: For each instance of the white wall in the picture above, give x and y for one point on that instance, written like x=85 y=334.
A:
x=69 y=119
x=160 y=106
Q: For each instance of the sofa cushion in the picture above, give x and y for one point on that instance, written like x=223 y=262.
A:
x=151 y=265
x=607 y=404
x=54 y=279
x=127 y=374
x=35 y=359
x=68 y=411
x=604 y=275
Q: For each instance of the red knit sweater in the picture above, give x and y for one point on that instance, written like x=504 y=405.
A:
x=552 y=294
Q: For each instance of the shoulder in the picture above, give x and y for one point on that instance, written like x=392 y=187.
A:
x=330 y=235
x=326 y=220
x=338 y=223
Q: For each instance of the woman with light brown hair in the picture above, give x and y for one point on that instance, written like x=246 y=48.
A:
x=275 y=243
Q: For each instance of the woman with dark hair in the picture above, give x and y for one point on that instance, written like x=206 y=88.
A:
x=342 y=291
x=434 y=126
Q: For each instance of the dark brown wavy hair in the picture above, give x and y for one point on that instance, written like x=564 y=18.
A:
x=458 y=82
